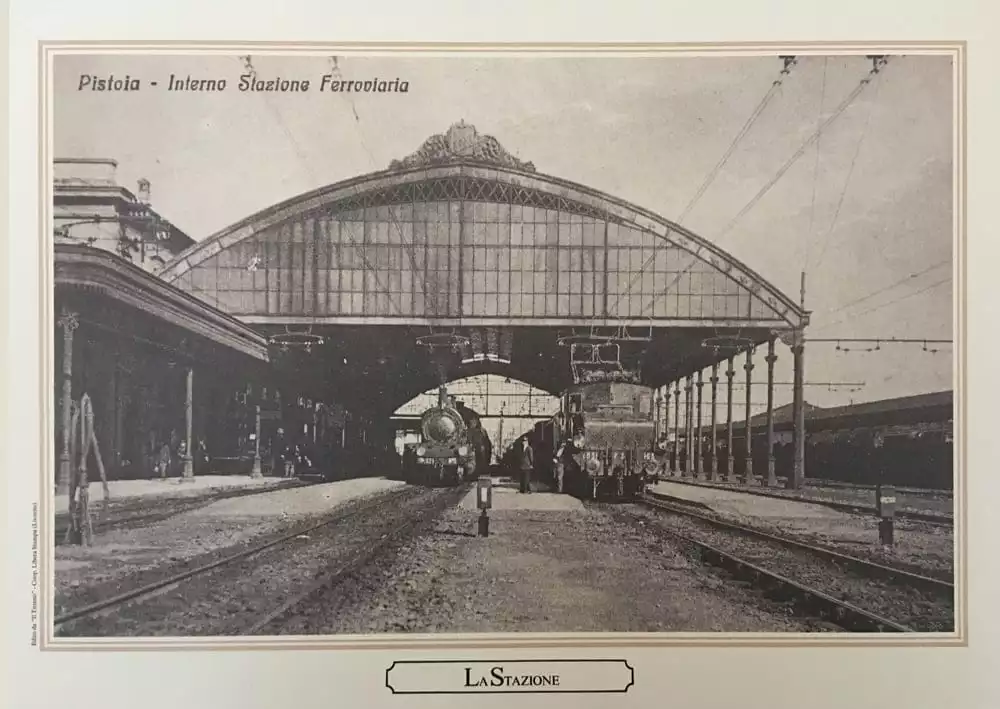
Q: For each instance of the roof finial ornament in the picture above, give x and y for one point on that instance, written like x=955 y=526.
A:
x=462 y=142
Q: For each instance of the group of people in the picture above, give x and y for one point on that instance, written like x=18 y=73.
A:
x=168 y=456
x=524 y=461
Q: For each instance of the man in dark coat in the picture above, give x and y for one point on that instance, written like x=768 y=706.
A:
x=526 y=464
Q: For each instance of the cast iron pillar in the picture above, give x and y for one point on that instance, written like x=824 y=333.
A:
x=731 y=469
x=797 y=479
x=713 y=462
x=666 y=416
x=748 y=477
x=688 y=391
x=188 y=470
x=771 y=358
x=256 y=471
x=677 y=426
x=69 y=322
x=699 y=462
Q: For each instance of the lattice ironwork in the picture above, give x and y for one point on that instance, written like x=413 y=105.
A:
x=472 y=189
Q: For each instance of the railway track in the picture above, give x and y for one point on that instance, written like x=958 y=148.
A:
x=135 y=514
x=929 y=517
x=850 y=592
x=197 y=597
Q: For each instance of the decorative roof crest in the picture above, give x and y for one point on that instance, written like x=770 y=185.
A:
x=461 y=142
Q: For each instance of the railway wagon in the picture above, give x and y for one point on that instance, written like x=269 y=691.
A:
x=602 y=440
x=916 y=434
x=453 y=446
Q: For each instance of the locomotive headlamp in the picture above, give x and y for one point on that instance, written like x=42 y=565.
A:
x=579 y=440
x=463 y=450
x=421 y=450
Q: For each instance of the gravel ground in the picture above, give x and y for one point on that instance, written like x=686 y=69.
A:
x=121 y=557
x=920 y=610
x=545 y=571
x=919 y=547
x=232 y=599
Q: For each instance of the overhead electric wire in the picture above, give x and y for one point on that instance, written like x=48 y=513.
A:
x=411 y=244
x=253 y=72
x=891 y=302
x=889 y=287
x=812 y=203
x=714 y=172
x=847 y=181
x=843 y=106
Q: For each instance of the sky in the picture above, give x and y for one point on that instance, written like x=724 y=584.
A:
x=866 y=211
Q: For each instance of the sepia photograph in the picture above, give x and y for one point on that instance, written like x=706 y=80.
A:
x=374 y=345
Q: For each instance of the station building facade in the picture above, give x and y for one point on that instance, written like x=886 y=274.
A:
x=158 y=366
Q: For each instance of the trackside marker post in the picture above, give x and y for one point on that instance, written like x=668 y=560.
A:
x=484 y=500
x=885 y=495
x=887 y=512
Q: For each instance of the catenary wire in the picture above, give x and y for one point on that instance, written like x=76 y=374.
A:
x=875 y=70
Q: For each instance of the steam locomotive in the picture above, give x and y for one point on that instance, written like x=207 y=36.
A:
x=602 y=439
x=454 y=446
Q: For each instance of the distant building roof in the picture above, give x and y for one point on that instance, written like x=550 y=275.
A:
x=81 y=186
x=935 y=403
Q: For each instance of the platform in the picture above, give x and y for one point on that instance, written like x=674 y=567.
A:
x=742 y=503
x=172 y=487
x=509 y=498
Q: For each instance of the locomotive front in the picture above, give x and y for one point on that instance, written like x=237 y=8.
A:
x=444 y=456
x=611 y=434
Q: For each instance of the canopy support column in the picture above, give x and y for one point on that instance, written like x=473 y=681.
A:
x=731 y=468
x=797 y=479
x=69 y=322
x=256 y=471
x=677 y=427
x=688 y=425
x=712 y=452
x=188 y=470
x=748 y=477
x=699 y=461
x=771 y=358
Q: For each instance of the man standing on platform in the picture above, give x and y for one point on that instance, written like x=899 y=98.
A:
x=527 y=464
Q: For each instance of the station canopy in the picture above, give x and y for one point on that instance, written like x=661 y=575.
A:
x=503 y=269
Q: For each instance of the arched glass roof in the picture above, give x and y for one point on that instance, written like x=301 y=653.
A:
x=469 y=236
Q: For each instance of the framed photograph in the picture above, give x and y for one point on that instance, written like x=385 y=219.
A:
x=355 y=360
